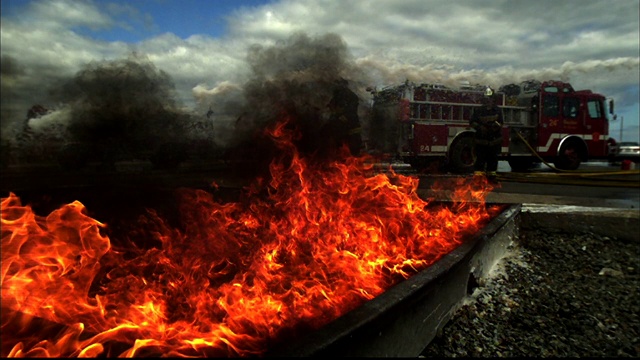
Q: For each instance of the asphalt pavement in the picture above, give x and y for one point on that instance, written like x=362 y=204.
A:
x=596 y=184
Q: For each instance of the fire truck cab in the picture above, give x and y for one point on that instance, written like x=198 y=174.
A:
x=428 y=126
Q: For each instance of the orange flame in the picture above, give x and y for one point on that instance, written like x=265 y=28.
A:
x=322 y=240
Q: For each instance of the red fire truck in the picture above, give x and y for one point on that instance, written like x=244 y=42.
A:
x=546 y=121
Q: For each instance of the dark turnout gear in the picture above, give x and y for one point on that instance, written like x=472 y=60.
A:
x=344 y=118
x=487 y=122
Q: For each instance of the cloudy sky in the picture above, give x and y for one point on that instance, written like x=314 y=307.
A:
x=203 y=45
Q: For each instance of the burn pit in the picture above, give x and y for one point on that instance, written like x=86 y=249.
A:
x=209 y=277
x=308 y=245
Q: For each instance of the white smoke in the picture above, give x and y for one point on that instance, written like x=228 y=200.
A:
x=222 y=92
x=391 y=73
x=222 y=105
x=56 y=121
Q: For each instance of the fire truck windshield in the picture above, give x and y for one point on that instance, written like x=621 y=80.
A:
x=595 y=109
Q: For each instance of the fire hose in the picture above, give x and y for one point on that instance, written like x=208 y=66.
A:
x=534 y=152
x=585 y=178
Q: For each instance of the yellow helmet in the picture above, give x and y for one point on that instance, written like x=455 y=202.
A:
x=488 y=92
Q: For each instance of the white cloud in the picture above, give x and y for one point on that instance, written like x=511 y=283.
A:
x=55 y=14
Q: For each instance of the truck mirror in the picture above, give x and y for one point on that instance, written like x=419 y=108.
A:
x=611 y=106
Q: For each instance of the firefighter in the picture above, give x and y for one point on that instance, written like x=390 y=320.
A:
x=487 y=122
x=344 y=117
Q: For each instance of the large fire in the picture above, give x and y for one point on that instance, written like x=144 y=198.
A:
x=238 y=276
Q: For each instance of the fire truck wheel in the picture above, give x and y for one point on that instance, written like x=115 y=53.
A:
x=570 y=155
x=416 y=163
x=462 y=156
x=521 y=164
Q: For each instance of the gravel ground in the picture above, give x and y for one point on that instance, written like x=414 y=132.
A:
x=555 y=295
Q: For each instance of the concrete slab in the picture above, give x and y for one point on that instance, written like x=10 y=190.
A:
x=613 y=222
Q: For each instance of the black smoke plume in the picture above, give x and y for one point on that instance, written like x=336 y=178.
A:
x=122 y=108
x=301 y=79
x=126 y=109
